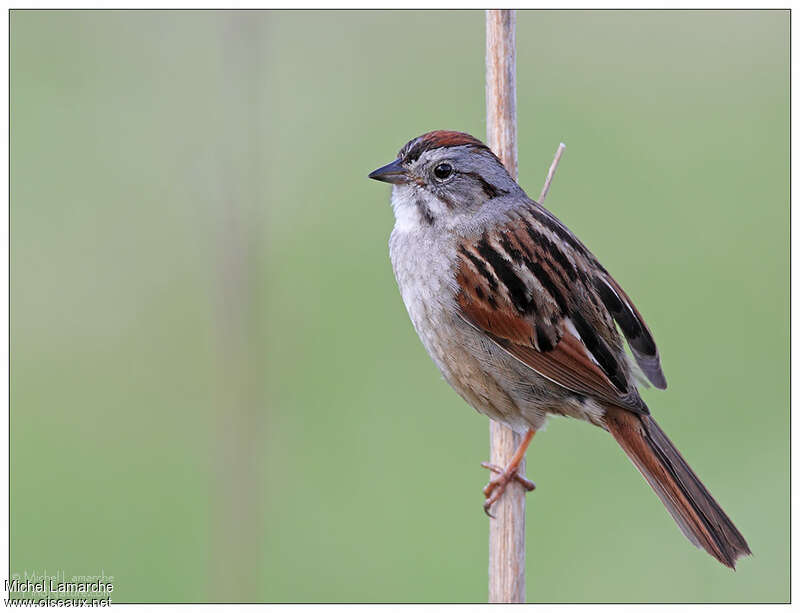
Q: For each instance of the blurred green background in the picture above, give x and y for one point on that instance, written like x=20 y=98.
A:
x=216 y=393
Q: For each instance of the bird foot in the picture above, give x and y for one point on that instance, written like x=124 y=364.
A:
x=496 y=486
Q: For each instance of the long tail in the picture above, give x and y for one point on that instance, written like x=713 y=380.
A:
x=696 y=512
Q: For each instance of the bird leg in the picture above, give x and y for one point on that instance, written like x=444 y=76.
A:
x=497 y=485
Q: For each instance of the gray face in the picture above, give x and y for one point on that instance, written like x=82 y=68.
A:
x=447 y=185
x=462 y=177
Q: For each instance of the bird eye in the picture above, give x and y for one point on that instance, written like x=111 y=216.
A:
x=443 y=171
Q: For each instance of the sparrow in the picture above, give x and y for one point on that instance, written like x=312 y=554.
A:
x=523 y=321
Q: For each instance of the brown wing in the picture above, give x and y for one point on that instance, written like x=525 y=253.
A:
x=616 y=301
x=534 y=293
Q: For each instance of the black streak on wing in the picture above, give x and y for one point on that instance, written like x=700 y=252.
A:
x=502 y=268
x=598 y=348
x=635 y=331
x=631 y=327
x=543 y=340
x=547 y=283
x=551 y=223
x=514 y=253
x=481 y=268
x=540 y=239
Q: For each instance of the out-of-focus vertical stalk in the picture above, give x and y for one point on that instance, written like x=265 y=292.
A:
x=237 y=519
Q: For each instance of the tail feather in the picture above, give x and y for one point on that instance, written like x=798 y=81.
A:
x=695 y=511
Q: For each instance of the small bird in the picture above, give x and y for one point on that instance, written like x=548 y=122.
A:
x=521 y=320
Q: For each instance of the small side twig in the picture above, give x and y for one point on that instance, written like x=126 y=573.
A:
x=551 y=172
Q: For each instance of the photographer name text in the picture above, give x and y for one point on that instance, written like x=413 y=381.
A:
x=58 y=587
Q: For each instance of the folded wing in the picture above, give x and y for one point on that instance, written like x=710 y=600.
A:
x=538 y=293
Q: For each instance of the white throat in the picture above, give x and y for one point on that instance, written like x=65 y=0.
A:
x=406 y=215
x=414 y=208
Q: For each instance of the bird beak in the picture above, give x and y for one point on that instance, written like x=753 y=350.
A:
x=391 y=173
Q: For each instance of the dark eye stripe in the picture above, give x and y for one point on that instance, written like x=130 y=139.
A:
x=492 y=191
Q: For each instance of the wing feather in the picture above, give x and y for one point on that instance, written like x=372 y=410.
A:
x=547 y=303
x=633 y=326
